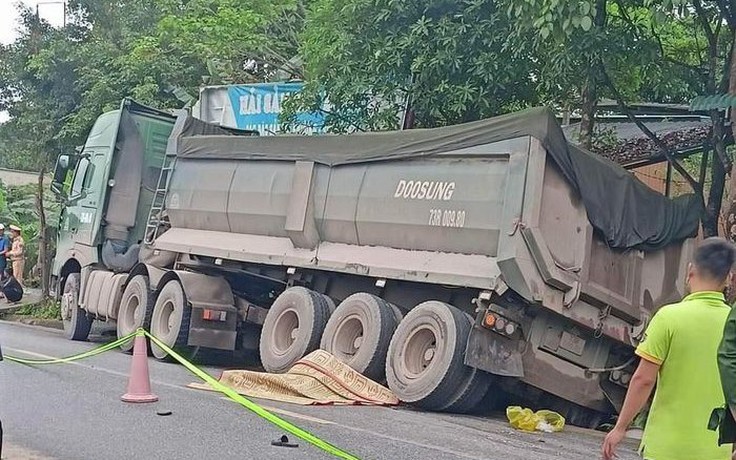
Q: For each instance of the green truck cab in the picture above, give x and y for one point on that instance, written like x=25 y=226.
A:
x=106 y=189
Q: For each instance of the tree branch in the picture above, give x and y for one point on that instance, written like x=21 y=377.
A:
x=664 y=149
x=697 y=46
x=726 y=76
x=712 y=42
x=718 y=139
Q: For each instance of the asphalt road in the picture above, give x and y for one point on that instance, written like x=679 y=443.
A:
x=73 y=411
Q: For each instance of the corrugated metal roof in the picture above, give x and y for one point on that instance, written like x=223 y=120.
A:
x=626 y=130
x=681 y=134
x=717 y=101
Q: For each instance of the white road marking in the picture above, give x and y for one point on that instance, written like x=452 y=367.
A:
x=11 y=451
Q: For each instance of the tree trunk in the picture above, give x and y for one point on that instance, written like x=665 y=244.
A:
x=590 y=87
x=718 y=182
x=587 y=118
x=43 y=264
x=731 y=213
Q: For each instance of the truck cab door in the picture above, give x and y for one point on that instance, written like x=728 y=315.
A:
x=84 y=200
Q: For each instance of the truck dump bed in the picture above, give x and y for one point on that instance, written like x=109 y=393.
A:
x=469 y=205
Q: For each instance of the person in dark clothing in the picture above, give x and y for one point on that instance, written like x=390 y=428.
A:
x=725 y=418
x=4 y=249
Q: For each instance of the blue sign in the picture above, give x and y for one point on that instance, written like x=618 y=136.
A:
x=257 y=107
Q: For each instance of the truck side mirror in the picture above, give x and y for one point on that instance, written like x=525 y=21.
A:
x=64 y=162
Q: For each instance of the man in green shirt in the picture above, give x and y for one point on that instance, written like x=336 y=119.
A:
x=678 y=354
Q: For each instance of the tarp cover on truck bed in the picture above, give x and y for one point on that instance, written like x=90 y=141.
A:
x=620 y=207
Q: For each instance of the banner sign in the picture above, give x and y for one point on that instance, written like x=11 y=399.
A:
x=257 y=107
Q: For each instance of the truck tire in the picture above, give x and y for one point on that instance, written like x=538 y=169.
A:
x=398 y=314
x=359 y=332
x=77 y=322
x=170 y=321
x=471 y=391
x=331 y=307
x=292 y=328
x=425 y=357
x=136 y=306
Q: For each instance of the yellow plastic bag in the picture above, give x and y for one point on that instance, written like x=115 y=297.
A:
x=543 y=420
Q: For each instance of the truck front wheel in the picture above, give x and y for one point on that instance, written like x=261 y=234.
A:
x=170 y=320
x=76 y=321
x=425 y=361
x=135 y=309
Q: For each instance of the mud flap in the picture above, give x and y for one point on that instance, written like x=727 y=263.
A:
x=214 y=319
x=493 y=353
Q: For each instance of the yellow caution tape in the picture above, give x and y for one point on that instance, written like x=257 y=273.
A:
x=69 y=359
x=229 y=392
x=253 y=407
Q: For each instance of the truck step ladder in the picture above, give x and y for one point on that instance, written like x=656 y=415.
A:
x=156 y=213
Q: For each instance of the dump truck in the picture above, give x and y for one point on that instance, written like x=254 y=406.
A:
x=454 y=264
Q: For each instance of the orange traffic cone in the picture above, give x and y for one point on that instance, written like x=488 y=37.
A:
x=139 y=383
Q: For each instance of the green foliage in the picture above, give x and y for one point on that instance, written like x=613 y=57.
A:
x=54 y=83
x=623 y=38
x=457 y=60
x=453 y=59
x=237 y=41
x=554 y=17
x=49 y=309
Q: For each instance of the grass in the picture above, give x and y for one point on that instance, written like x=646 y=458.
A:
x=49 y=309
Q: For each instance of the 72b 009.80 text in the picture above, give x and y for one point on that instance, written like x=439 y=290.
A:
x=446 y=218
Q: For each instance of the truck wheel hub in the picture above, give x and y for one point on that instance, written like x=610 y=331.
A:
x=286 y=331
x=66 y=310
x=348 y=338
x=419 y=351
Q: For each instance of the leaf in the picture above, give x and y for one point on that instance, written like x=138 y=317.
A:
x=659 y=17
x=586 y=23
x=585 y=8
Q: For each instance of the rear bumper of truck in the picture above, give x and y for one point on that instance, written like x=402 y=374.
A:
x=533 y=360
